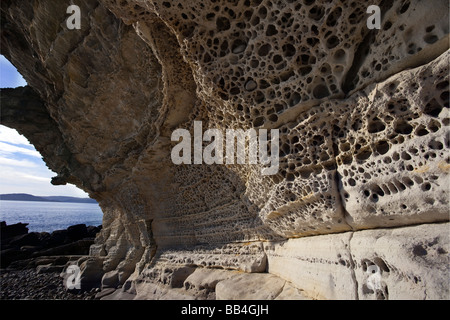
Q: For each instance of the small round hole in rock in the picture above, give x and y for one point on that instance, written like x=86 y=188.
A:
x=264 y=50
x=430 y=38
x=288 y=50
x=332 y=42
x=271 y=30
x=222 y=24
x=421 y=131
x=258 y=122
x=403 y=127
x=321 y=91
x=426 y=186
x=382 y=147
x=376 y=125
x=238 y=46
x=250 y=85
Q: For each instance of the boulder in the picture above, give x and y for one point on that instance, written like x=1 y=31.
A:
x=29 y=239
x=13 y=230
x=77 y=232
x=110 y=279
x=255 y=286
x=91 y=273
x=76 y=240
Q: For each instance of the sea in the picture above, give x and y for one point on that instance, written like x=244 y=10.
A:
x=50 y=216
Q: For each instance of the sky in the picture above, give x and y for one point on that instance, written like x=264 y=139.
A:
x=22 y=169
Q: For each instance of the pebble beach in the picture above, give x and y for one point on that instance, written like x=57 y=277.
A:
x=30 y=285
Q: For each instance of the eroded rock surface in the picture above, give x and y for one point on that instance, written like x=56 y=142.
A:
x=363 y=120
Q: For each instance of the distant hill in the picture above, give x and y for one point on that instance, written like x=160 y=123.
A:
x=29 y=197
x=22 y=197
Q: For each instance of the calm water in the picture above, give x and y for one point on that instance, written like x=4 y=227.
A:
x=50 y=216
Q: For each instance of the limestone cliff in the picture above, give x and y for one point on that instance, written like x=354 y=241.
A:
x=359 y=208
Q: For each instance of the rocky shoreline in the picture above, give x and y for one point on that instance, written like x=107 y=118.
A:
x=33 y=264
x=29 y=284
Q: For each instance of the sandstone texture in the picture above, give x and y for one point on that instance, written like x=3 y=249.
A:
x=359 y=208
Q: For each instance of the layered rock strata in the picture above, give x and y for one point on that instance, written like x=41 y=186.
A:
x=363 y=117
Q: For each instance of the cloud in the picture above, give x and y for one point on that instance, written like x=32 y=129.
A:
x=12 y=136
x=9 y=149
x=29 y=176
x=17 y=163
x=22 y=169
x=14 y=145
x=34 y=181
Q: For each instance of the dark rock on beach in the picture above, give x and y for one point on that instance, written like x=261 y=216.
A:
x=34 y=265
x=12 y=230
x=18 y=244
x=30 y=284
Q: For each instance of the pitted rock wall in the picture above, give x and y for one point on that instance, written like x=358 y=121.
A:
x=363 y=120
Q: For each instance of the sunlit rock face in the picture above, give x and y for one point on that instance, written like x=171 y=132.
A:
x=359 y=206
